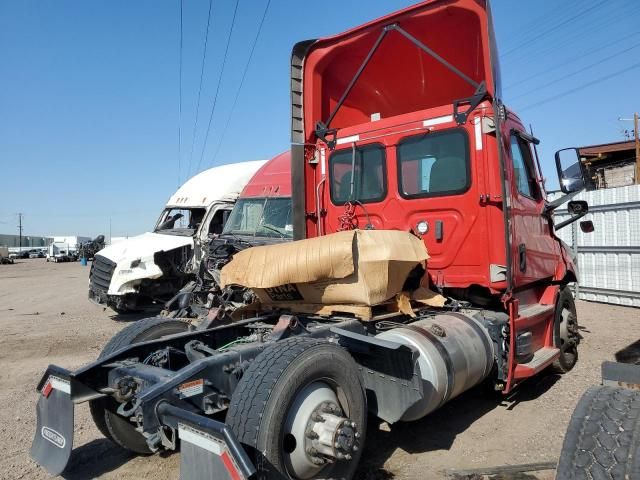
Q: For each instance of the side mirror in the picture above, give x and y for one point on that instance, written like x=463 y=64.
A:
x=569 y=168
x=587 y=226
x=578 y=207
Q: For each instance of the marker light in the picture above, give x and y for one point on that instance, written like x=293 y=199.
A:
x=422 y=227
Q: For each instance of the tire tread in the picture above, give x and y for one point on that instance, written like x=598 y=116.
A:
x=257 y=388
x=603 y=437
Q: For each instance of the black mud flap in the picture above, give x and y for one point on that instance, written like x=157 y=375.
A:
x=53 y=439
x=208 y=449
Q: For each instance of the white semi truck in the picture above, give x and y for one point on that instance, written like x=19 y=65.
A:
x=155 y=265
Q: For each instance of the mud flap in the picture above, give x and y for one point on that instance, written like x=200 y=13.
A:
x=208 y=449
x=53 y=439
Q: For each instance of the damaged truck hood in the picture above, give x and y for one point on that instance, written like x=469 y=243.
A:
x=144 y=245
x=142 y=250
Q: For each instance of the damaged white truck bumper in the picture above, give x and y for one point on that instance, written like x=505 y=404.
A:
x=123 y=273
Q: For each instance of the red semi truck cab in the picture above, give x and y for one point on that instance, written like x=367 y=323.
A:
x=399 y=124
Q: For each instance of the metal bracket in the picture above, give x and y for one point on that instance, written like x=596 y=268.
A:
x=473 y=101
x=323 y=133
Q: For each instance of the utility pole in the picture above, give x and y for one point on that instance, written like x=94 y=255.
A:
x=20 y=229
x=636 y=135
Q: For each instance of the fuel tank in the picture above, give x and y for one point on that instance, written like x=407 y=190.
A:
x=455 y=354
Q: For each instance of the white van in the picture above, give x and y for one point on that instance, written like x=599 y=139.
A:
x=154 y=266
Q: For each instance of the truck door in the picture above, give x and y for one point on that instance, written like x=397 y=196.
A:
x=429 y=183
x=212 y=224
x=533 y=250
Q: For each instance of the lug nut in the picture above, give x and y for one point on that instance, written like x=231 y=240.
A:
x=354 y=448
x=357 y=434
x=353 y=425
x=311 y=434
x=347 y=457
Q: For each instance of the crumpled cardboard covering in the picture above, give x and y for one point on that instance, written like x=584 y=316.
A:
x=358 y=267
x=422 y=295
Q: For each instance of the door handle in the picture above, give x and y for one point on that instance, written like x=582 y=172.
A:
x=522 y=253
x=439 y=234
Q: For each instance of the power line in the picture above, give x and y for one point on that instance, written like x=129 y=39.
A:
x=581 y=87
x=244 y=74
x=571 y=60
x=569 y=36
x=569 y=75
x=215 y=98
x=532 y=25
x=555 y=27
x=204 y=57
x=180 y=98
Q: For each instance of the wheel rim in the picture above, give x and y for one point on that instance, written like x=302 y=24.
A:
x=317 y=434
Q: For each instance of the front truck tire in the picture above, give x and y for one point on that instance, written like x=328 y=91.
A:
x=566 y=336
x=103 y=410
x=300 y=408
x=603 y=437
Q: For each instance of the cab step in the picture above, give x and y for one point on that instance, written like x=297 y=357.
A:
x=531 y=314
x=541 y=360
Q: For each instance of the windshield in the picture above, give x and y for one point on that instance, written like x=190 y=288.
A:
x=180 y=221
x=261 y=217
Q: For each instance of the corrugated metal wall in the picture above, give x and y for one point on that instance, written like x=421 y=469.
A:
x=609 y=257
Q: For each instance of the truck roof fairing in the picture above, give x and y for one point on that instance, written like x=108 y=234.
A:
x=218 y=183
x=272 y=180
x=397 y=74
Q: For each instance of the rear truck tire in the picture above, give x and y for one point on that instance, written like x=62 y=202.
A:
x=103 y=410
x=300 y=409
x=603 y=437
x=566 y=336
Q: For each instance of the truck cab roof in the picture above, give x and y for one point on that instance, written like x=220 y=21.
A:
x=218 y=183
x=273 y=179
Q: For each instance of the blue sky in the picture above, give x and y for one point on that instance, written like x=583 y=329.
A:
x=89 y=93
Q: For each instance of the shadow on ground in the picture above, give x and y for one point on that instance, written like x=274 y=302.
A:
x=134 y=316
x=439 y=430
x=94 y=459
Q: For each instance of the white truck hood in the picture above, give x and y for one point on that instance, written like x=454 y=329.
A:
x=144 y=245
x=126 y=276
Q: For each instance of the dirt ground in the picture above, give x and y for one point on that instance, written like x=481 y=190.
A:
x=45 y=317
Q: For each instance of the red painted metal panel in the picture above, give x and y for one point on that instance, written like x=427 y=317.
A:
x=272 y=180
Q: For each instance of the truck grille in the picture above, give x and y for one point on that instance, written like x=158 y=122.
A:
x=101 y=272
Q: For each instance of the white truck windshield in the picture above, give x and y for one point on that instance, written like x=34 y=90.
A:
x=180 y=221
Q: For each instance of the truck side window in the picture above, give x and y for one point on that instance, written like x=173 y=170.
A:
x=522 y=161
x=369 y=182
x=433 y=164
x=218 y=221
